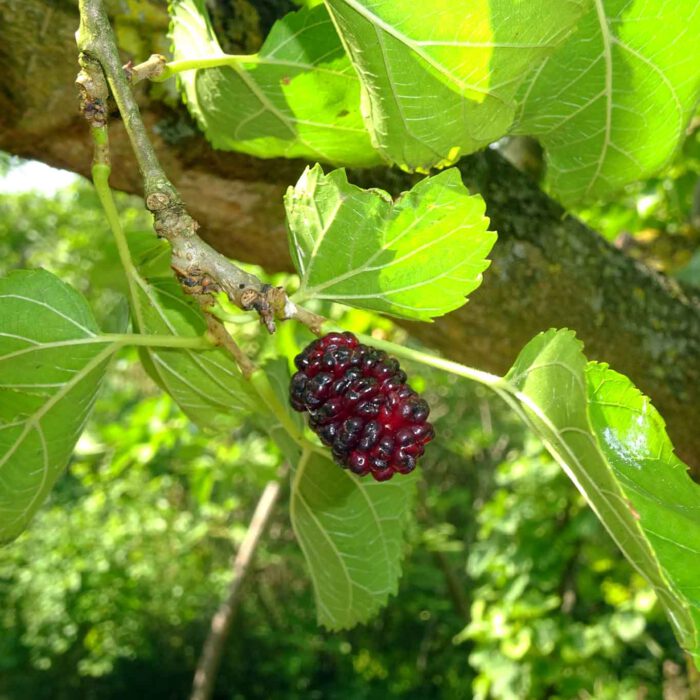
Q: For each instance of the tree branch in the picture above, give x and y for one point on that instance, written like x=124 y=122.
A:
x=210 y=659
x=455 y=587
x=200 y=268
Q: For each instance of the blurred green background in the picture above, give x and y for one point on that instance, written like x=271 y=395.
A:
x=511 y=588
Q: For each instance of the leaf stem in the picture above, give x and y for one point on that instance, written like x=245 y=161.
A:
x=261 y=382
x=296 y=480
x=492 y=381
x=174 y=67
x=218 y=333
x=100 y=177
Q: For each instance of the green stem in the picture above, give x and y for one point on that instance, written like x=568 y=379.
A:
x=237 y=319
x=235 y=61
x=492 y=381
x=261 y=382
x=296 y=481
x=174 y=67
x=100 y=177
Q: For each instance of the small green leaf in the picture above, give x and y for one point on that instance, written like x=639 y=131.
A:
x=414 y=258
x=611 y=105
x=612 y=445
x=352 y=532
x=441 y=83
x=52 y=361
x=298 y=98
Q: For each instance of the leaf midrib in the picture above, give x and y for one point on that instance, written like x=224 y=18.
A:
x=296 y=494
x=608 y=90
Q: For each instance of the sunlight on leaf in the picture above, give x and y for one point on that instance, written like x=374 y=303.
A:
x=440 y=84
x=418 y=257
x=298 y=97
x=617 y=454
x=611 y=105
x=660 y=493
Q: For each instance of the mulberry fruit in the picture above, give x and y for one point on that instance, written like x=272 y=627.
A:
x=360 y=406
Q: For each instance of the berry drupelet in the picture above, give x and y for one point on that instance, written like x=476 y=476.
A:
x=360 y=406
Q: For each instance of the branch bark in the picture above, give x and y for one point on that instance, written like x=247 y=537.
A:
x=201 y=269
x=210 y=659
x=548 y=270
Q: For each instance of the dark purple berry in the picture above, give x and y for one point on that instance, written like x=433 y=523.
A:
x=370 y=435
x=360 y=406
x=358 y=463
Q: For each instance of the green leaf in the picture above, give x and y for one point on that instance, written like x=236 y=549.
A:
x=298 y=98
x=351 y=531
x=116 y=320
x=52 y=361
x=441 y=83
x=618 y=456
x=414 y=258
x=612 y=104
x=207 y=385
x=658 y=490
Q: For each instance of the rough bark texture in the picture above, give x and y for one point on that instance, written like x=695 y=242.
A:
x=548 y=270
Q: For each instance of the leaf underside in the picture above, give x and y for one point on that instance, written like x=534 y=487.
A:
x=51 y=366
x=297 y=98
x=608 y=86
x=352 y=533
x=207 y=385
x=613 y=445
x=612 y=104
x=442 y=84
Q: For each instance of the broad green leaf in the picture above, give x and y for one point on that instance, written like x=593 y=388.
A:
x=415 y=258
x=658 y=490
x=439 y=81
x=298 y=98
x=550 y=386
x=52 y=361
x=612 y=104
x=351 y=531
x=207 y=385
